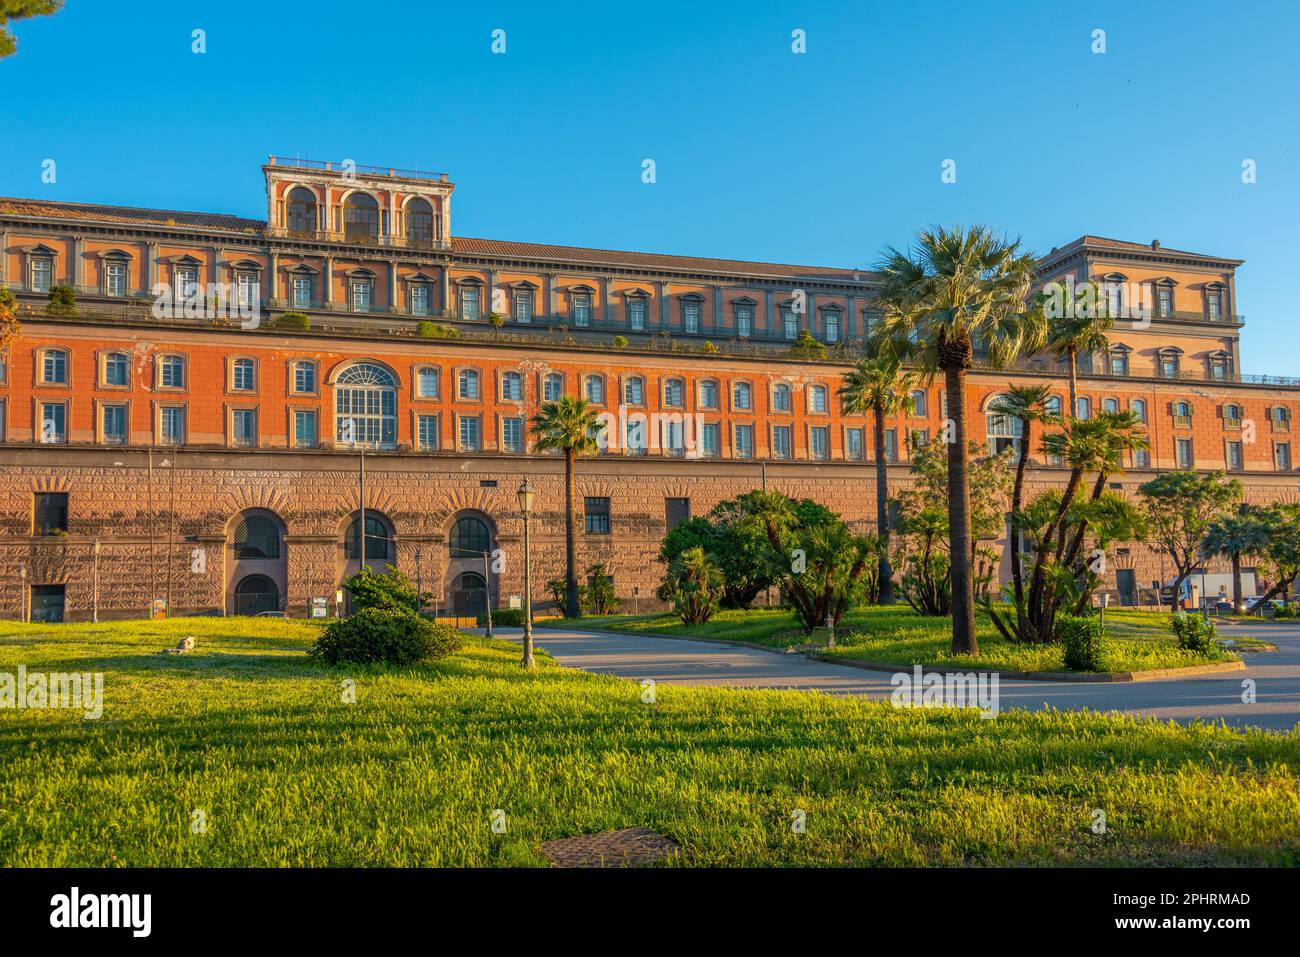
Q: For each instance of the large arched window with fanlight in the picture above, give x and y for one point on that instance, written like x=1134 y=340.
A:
x=1003 y=431
x=419 y=223
x=361 y=219
x=365 y=406
x=301 y=210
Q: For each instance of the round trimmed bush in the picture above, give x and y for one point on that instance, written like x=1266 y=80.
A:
x=386 y=635
x=1080 y=637
x=293 y=320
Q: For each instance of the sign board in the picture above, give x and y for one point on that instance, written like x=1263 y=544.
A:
x=320 y=607
x=158 y=609
x=516 y=601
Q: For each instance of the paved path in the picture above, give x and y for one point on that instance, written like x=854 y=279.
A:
x=678 y=661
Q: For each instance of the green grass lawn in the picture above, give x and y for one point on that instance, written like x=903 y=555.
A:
x=1135 y=640
x=258 y=737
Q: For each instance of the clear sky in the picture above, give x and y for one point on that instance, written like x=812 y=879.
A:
x=822 y=157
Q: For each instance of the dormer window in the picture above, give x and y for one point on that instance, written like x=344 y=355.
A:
x=116 y=270
x=692 y=308
x=580 y=304
x=831 y=323
x=524 y=303
x=469 y=300
x=41 y=273
x=742 y=311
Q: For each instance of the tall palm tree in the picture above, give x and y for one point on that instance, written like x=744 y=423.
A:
x=570 y=426
x=1243 y=532
x=1070 y=337
x=952 y=286
x=879 y=385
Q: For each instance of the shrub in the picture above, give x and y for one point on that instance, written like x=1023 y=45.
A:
x=63 y=301
x=393 y=589
x=505 y=617
x=694 y=585
x=1286 y=610
x=436 y=330
x=293 y=320
x=620 y=342
x=1080 y=637
x=385 y=636
x=710 y=348
x=1195 y=634
x=559 y=589
x=806 y=346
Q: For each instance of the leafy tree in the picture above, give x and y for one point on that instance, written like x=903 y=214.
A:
x=1281 y=557
x=694 y=585
x=1242 y=533
x=1180 y=507
x=496 y=320
x=392 y=589
x=11 y=10
x=807 y=346
x=956 y=286
x=879 y=385
x=599 y=597
x=63 y=301
x=1084 y=333
x=8 y=318
x=570 y=426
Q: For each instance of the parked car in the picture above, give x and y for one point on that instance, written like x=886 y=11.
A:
x=270 y=614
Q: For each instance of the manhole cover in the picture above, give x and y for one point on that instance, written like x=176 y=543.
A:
x=629 y=847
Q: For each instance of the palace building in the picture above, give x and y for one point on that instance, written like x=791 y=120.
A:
x=206 y=424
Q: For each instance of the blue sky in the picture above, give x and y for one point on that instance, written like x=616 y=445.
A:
x=762 y=154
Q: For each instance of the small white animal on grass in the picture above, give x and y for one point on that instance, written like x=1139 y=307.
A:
x=182 y=646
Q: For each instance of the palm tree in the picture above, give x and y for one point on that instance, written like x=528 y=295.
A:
x=571 y=427
x=879 y=385
x=1241 y=533
x=1070 y=337
x=953 y=286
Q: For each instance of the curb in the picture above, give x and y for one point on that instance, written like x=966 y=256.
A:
x=1067 y=677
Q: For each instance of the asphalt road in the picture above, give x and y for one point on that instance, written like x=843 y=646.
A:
x=1212 y=697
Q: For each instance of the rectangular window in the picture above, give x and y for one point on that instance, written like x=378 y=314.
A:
x=302 y=292
x=116 y=369
x=1234 y=455
x=744 y=321
x=710 y=443
x=595 y=513
x=1282 y=456
x=832 y=320
x=1164 y=302
x=676 y=511
x=469 y=302
x=361 y=295
x=819 y=442
x=419 y=294
x=49 y=512
x=744 y=442
x=582 y=308
x=636 y=314
x=789 y=322
x=780 y=441
x=247 y=290
x=243 y=428
x=305 y=432
x=1214 y=305
x=552 y=387
x=42 y=274
x=1119 y=363
x=691 y=316
x=512 y=435
x=469 y=433
x=1183 y=447
x=242 y=376
x=426 y=384
x=1141 y=459
x=115 y=279
x=172 y=369
x=853 y=444
x=114 y=424
x=920 y=438
x=708 y=394
x=817 y=398
x=54 y=367
x=921 y=404
x=891 y=445
x=304 y=378
x=171 y=423
x=54 y=423
x=524 y=305
x=427 y=432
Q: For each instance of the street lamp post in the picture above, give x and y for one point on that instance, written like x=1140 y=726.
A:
x=525 y=494
x=94 y=587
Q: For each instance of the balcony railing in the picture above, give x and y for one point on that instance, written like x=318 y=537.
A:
x=326 y=166
x=357 y=239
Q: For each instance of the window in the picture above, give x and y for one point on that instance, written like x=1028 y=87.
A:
x=831 y=319
x=54 y=367
x=467 y=384
x=242 y=375
x=243 y=428
x=853 y=444
x=419 y=223
x=512 y=434
x=891 y=445
x=366 y=406
x=1280 y=417
x=426 y=383
x=426 y=432
x=1282 y=456
x=362 y=291
x=1182 y=415
x=789 y=322
x=257 y=537
x=636 y=310
x=1183 y=450
x=304 y=378
x=305 y=431
x=676 y=511
x=469 y=537
x=1139 y=408
x=523 y=305
x=595 y=513
x=1110 y=405
x=780 y=441
x=780 y=397
x=634 y=440
x=1083 y=407
x=582 y=308
x=708 y=394
x=187 y=284
x=48 y=602
x=1220 y=367
x=113 y=424
x=470 y=433
x=360 y=219
x=819 y=443
x=376 y=538
x=302 y=211
x=1164 y=301
x=117 y=369
x=171 y=425
x=469 y=301
x=690 y=316
x=744 y=316
x=634 y=390
x=552 y=387
x=247 y=291
x=920 y=404
x=1168 y=364
x=1232 y=416
x=54 y=423
x=1003 y=431
x=1234 y=455
x=115 y=279
x=710 y=440
x=1214 y=304
x=594 y=389
x=418 y=297
x=918 y=438
x=1141 y=458
x=744 y=443
x=742 y=396
x=817 y=398
x=49 y=512
x=302 y=292
x=672 y=435
x=1119 y=363
x=42 y=271
x=674 y=393
x=512 y=387
x=171 y=372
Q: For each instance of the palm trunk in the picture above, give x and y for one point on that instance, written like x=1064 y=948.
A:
x=571 y=604
x=1017 y=494
x=963 y=595
x=1074 y=383
x=882 y=509
x=1236 y=582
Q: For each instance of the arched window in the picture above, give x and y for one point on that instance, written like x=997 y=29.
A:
x=512 y=387
x=1003 y=430
x=419 y=223
x=469 y=538
x=1053 y=405
x=1139 y=408
x=552 y=387
x=242 y=377
x=594 y=389
x=674 y=393
x=361 y=219
x=709 y=394
x=1110 y=405
x=379 y=544
x=54 y=367
x=742 y=396
x=304 y=377
x=117 y=368
x=366 y=406
x=302 y=211
x=171 y=372
x=256 y=594
x=1083 y=407
x=634 y=390
x=256 y=537
x=780 y=397
x=467 y=384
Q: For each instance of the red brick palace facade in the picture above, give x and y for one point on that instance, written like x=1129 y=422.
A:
x=170 y=437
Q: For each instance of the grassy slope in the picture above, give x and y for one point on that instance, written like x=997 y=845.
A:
x=1135 y=641
x=253 y=733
